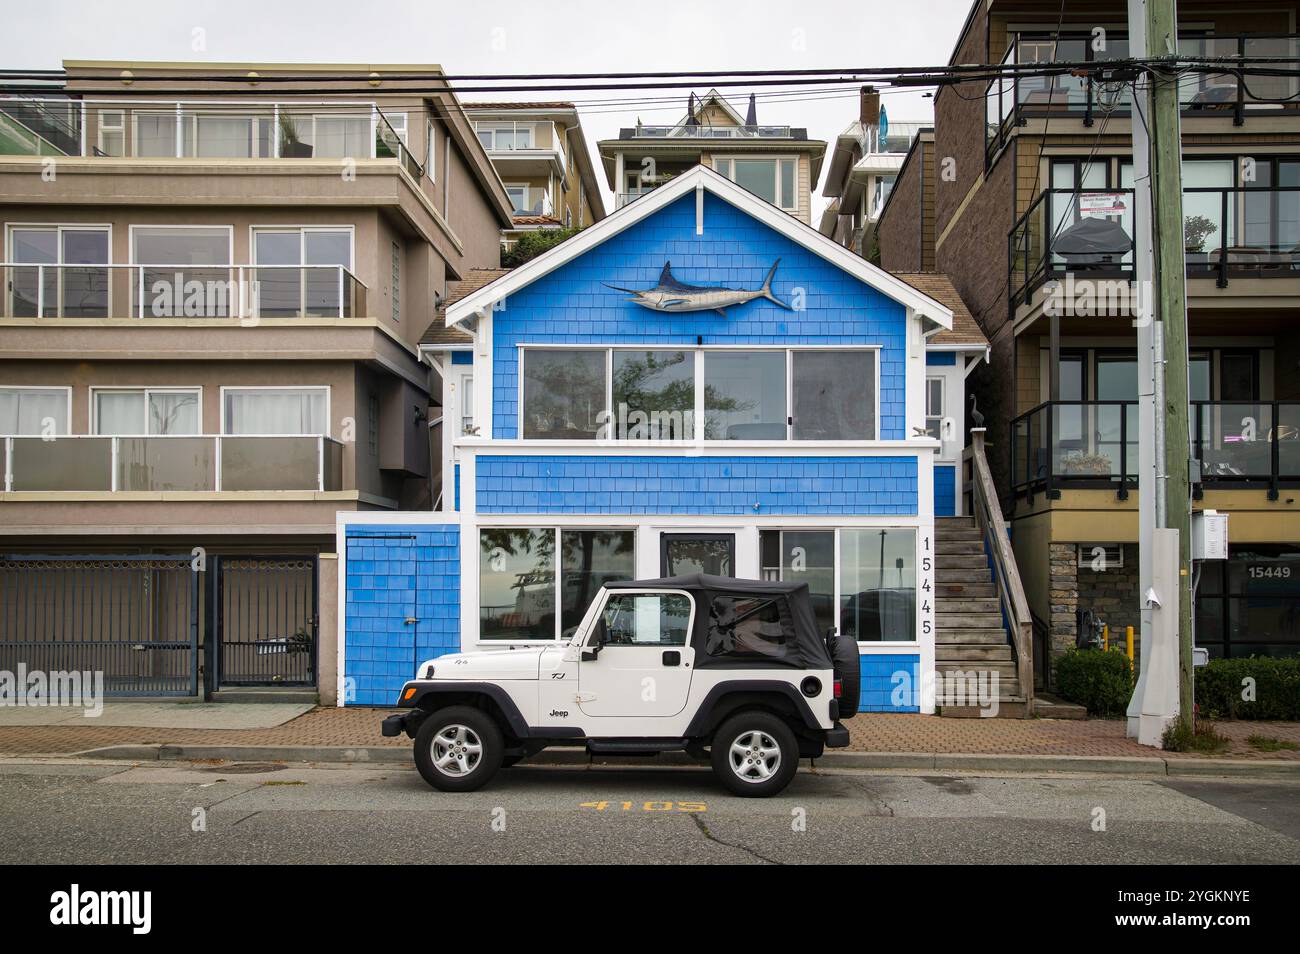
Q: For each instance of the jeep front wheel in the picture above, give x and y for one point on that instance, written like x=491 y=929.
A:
x=754 y=754
x=458 y=749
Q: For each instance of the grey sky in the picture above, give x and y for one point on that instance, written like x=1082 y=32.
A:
x=520 y=36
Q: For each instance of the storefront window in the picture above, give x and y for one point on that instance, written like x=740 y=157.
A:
x=588 y=560
x=1246 y=606
x=517 y=578
x=803 y=556
x=878 y=585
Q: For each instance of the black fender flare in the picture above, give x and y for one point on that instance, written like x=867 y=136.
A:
x=425 y=690
x=700 y=722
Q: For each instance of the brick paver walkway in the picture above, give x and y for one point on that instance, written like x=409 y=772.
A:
x=871 y=732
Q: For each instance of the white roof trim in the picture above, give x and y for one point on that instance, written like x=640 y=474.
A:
x=481 y=301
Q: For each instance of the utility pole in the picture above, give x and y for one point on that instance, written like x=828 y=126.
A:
x=1171 y=294
x=1164 y=490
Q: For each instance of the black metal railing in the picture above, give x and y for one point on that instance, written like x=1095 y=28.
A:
x=1012 y=102
x=1238 y=232
x=1094 y=444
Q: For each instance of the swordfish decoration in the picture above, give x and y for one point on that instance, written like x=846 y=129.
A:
x=671 y=295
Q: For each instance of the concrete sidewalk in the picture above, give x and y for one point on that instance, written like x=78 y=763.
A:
x=190 y=730
x=219 y=716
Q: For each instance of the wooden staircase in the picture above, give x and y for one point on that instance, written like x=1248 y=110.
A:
x=982 y=619
x=970 y=635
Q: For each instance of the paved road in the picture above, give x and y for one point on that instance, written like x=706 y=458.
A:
x=79 y=812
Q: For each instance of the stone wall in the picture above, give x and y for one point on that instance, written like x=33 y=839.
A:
x=1112 y=593
x=1064 y=594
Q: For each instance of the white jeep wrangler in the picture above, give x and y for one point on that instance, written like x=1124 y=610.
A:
x=730 y=670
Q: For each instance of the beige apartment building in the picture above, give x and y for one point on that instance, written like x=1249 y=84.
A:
x=777 y=163
x=542 y=156
x=215 y=282
x=1023 y=195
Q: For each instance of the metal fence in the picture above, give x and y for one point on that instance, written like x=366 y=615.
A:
x=266 y=622
x=134 y=618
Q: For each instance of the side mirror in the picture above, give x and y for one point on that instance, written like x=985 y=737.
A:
x=596 y=643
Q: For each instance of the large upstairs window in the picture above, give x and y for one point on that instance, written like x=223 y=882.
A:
x=684 y=394
x=771 y=179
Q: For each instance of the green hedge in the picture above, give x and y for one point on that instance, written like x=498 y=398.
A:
x=1219 y=687
x=1100 y=681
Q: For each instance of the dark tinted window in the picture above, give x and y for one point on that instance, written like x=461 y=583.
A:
x=753 y=627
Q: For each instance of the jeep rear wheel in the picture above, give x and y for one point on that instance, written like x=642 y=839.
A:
x=754 y=754
x=458 y=749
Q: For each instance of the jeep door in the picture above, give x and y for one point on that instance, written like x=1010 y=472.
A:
x=642 y=661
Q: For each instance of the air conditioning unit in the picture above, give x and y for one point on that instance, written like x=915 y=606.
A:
x=1101 y=556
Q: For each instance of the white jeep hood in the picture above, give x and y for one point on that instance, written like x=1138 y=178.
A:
x=491 y=664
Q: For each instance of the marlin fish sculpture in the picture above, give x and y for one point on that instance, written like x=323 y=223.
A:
x=672 y=295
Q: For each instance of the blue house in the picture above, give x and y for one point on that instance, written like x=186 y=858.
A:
x=697 y=383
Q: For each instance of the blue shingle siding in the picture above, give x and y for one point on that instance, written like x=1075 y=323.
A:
x=462 y=357
x=572 y=306
x=394 y=572
x=696 y=485
x=890 y=679
x=455 y=478
x=940 y=359
x=945 y=491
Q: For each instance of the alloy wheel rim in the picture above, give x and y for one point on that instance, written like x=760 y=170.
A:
x=754 y=756
x=456 y=750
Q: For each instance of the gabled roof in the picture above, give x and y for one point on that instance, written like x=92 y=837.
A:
x=965 y=330
x=439 y=333
x=704 y=178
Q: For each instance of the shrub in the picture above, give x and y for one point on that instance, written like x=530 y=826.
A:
x=1179 y=737
x=1276 y=690
x=1100 y=681
x=531 y=244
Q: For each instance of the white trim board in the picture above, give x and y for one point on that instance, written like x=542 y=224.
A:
x=481 y=301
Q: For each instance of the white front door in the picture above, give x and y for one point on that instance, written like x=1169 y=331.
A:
x=637 y=662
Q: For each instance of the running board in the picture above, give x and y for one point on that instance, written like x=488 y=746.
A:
x=634 y=746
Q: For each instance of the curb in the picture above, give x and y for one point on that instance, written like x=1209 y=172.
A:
x=860 y=761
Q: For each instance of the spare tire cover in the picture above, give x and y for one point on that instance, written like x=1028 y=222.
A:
x=848 y=670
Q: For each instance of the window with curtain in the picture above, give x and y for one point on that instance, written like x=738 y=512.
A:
x=28 y=411
x=146 y=411
x=275 y=411
x=220 y=137
x=339 y=137
x=834 y=395
x=155 y=134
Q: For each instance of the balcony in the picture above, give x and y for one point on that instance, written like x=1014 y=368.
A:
x=683 y=131
x=525 y=147
x=87 y=464
x=1078 y=445
x=157 y=129
x=244 y=292
x=1230 y=233
x=1010 y=103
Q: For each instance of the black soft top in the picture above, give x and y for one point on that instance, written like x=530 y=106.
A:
x=806 y=647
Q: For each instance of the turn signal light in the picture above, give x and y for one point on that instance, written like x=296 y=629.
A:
x=408 y=693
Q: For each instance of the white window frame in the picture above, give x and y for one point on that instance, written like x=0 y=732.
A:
x=145 y=390
x=494 y=126
x=942 y=381
x=430 y=152
x=59 y=228
x=120 y=127
x=701 y=352
x=302 y=231
x=781 y=203
x=519 y=185
x=67 y=405
x=557 y=583
x=278 y=387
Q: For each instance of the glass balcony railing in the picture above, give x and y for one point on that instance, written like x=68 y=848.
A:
x=171 y=463
x=158 y=129
x=180 y=291
x=707 y=132
x=1010 y=102
x=1250 y=232
x=1081 y=444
